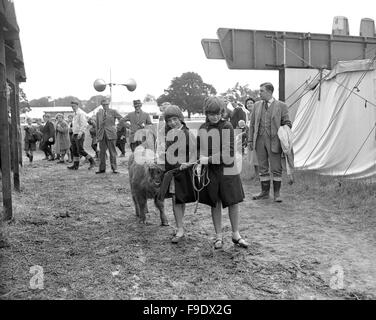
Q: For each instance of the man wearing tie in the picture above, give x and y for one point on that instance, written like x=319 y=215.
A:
x=138 y=120
x=269 y=114
x=106 y=135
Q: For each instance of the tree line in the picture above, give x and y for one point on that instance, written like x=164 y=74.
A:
x=187 y=91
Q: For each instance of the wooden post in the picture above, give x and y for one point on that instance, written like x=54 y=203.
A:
x=14 y=140
x=19 y=135
x=4 y=136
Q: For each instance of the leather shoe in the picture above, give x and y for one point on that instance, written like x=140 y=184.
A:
x=176 y=239
x=114 y=171
x=240 y=243
x=100 y=171
x=218 y=243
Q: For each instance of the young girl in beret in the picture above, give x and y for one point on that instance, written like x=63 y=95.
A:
x=216 y=150
x=180 y=154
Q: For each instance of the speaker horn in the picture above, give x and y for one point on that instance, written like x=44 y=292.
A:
x=100 y=84
x=130 y=84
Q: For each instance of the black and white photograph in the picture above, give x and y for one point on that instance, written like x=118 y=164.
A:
x=209 y=152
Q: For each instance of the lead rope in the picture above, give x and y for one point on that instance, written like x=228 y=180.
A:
x=202 y=174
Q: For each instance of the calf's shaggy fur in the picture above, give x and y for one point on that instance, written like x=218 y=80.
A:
x=145 y=180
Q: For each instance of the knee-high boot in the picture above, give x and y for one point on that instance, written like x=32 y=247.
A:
x=276 y=189
x=265 y=189
x=76 y=164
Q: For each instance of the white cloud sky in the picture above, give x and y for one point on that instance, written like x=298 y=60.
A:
x=67 y=44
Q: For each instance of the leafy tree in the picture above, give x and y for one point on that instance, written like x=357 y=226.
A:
x=93 y=102
x=41 y=102
x=149 y=98
x=65 y=102
x=188 y=92
x=47 y=102
x=23 y=102
x=239 y=93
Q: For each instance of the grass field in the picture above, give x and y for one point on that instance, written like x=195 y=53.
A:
x=82 y=230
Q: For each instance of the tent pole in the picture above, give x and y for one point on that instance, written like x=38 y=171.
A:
x=320 y=84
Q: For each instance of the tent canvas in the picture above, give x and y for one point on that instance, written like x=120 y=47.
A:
x=336 y=134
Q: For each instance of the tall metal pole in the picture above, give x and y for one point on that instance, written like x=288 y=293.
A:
x=4 y=136
x=110 y=88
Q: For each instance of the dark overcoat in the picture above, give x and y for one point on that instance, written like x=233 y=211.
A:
x=184 y=190
x=225 y=185
x=48 y=131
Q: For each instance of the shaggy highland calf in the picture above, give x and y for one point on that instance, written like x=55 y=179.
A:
x=145 y=180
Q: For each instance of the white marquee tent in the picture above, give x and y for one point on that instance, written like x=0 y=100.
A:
x=336 y=134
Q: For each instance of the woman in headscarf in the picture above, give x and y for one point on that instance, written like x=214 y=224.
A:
x=62 y=137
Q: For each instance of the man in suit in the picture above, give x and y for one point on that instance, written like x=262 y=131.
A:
x=268 y=116
x=106 y=135
x=138 y=120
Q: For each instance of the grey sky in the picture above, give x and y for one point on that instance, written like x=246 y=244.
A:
x=68 y=44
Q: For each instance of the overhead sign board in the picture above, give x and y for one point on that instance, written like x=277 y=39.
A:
x=271 y=50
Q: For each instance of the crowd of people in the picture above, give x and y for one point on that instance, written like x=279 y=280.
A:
x=181 y=153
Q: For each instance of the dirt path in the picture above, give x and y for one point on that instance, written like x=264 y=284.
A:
x=81 y=228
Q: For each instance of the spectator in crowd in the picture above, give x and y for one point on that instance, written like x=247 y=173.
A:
x=237 y=115
x=106 y=135
x=48 y=138
x=93 y=134
x=268 y=116
x=30 y=139
x=70 y=126
x=138 y=119
x=79 y=125
x=244 y=134
x=62 y=144
x=160 y=140
x=252 y=156
x=121 y=132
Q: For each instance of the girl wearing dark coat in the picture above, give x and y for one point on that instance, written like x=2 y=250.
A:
x=217 y=153
x=179 y=157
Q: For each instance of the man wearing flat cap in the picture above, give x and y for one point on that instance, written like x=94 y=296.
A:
x=106 y=135
x=138 y=120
